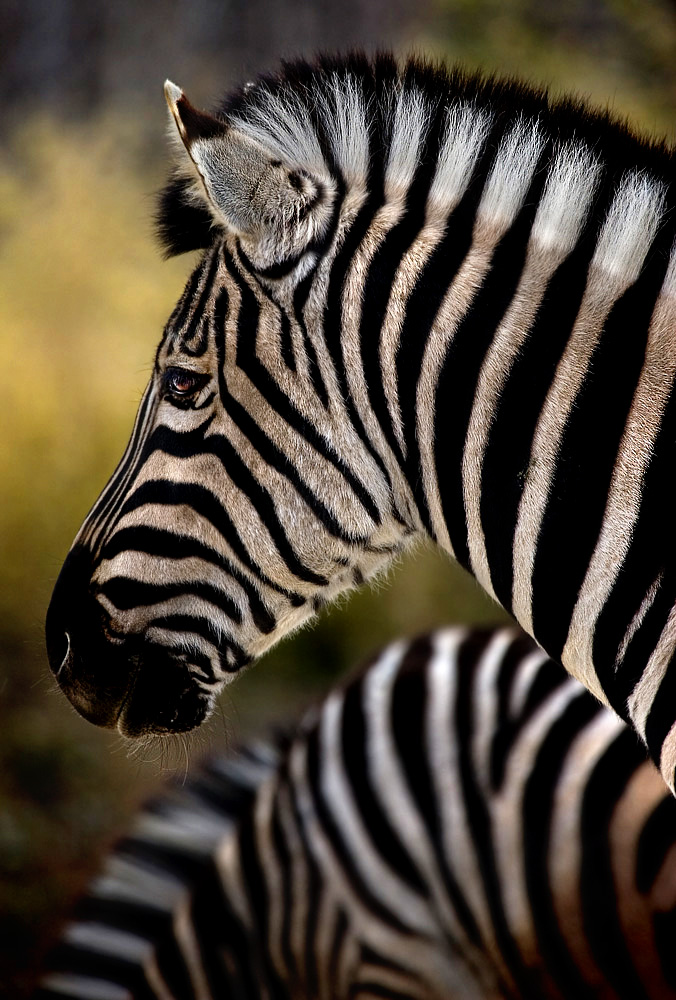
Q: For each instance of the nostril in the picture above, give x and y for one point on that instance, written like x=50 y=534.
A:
x=65 y=657
x=67 y=609
x=58 y=649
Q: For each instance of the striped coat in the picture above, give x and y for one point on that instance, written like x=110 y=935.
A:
x=461 y=820
x=427 y=305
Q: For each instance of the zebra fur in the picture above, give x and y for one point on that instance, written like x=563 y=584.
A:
x=462 y=819
x=428 y=304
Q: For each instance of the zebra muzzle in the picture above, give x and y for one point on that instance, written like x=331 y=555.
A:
x=126 y=683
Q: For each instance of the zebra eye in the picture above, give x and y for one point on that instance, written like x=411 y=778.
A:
x=182 y=383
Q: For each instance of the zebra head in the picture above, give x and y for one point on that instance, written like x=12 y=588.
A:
x=248 y=495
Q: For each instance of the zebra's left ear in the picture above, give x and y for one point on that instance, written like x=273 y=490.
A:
x=246 y=187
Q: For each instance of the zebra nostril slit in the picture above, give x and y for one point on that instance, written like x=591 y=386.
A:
x=66 y=656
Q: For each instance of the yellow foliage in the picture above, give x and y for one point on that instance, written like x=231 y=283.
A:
x=84 y=294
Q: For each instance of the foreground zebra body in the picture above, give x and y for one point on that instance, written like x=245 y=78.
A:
x=463 y=820
x=427 y=305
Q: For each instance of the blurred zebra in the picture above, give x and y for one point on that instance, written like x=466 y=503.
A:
x=462 y=820
x=427 y=304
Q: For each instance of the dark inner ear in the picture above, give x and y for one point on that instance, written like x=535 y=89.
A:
x=180 y=224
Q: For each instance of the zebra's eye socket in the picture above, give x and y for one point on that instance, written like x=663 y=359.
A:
x=182 y=383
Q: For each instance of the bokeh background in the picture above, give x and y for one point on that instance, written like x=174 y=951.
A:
x=83 y=297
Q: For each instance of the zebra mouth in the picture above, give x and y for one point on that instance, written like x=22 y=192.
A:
x=163 y=699
x=160 y=696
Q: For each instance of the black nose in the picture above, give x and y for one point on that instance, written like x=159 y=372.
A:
x=115 y=681
x=82 y=656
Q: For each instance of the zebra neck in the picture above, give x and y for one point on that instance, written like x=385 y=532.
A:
x=526 y=362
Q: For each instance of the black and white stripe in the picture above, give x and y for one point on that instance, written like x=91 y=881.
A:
x=428 y=304
x=460 y=820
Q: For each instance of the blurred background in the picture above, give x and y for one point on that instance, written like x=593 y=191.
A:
x=83 y=298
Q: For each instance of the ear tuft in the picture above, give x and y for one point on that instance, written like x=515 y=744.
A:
x=191 y=123
x=172 y=94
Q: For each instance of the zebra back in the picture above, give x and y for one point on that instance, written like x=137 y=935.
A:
x=461 y=819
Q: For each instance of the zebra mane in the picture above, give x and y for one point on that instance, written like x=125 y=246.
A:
x=361 y=118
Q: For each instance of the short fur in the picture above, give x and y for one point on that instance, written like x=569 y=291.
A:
x=487 y=830
x=430 y=304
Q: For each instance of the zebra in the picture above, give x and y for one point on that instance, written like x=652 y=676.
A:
x=428 y=304
x=461 y=819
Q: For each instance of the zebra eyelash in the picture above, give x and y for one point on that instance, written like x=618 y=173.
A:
x=184 y=399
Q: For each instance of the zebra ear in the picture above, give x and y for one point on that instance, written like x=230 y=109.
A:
x=246 y=187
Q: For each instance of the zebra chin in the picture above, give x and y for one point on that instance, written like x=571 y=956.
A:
x=131 y=684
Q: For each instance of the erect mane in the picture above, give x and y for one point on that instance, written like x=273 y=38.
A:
x=338 y=112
